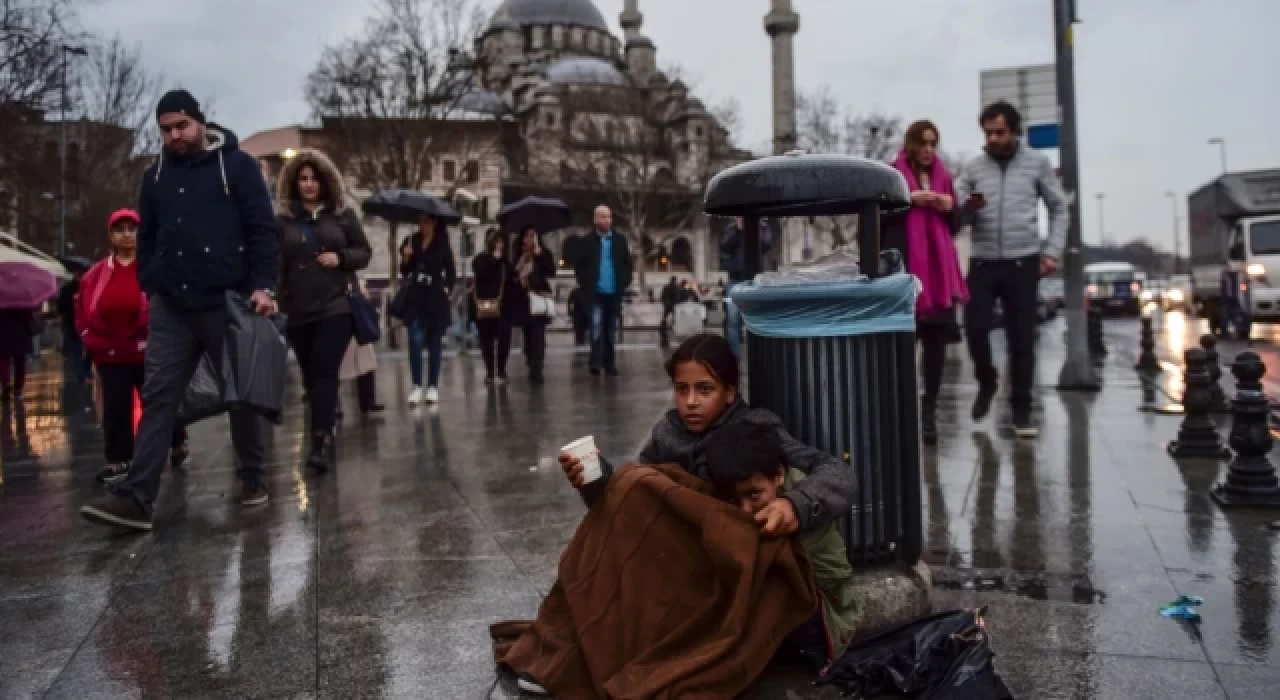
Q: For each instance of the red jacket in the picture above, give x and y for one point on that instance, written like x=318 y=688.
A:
x=105 y=344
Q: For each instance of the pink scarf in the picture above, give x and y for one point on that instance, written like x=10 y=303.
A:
x=931 y=252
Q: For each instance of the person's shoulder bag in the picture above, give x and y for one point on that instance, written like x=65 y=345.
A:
x=487 y=309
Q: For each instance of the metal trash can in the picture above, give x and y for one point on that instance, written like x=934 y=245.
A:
x=836 y=362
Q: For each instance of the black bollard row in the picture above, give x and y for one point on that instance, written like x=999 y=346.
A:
x=1147 y=361
x=1251 y=478
x=1217 y=397
x=1198 y=436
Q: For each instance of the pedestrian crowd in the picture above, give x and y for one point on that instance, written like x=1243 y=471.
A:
x=207 y=228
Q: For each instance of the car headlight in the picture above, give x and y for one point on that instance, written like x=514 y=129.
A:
x=1255 y=270
x=1175 y=295
x=1091 y=290
x=1147 y=295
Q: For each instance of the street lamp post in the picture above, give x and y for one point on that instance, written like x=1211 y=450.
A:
x=1177 y=239
x=1102 y=226
x=62 y=151
x=1078 y=372
x=1221 y=143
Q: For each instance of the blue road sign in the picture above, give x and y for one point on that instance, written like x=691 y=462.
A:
x=1042 y=136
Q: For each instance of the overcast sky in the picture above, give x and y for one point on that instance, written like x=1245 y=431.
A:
x=1155 y=78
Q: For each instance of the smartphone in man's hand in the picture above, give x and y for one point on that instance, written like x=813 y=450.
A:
x=975 y=201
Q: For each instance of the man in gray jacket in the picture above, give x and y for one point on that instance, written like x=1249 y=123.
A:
x=1000 y=191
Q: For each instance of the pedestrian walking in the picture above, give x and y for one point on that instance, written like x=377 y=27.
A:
x=669 y=298
x=322 y=246
x=76 y=362
x=208 y=227
x=604 y=270
x=925 y=236
x=17 y=334
x=492 y=305
x=535 y=266
x=110 y=320
x=429 y=271
x=1000 y=191
x=733 y=260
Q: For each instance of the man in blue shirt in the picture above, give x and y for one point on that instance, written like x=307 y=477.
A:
x=604 y=270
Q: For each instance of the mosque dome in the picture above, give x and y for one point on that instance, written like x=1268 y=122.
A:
x=581 y=13
x=584 y=70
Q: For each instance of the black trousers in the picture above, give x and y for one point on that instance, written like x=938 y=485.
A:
x=367 y=390
x=535 y=344
x=933 y=339
x=1014 y=283
x=495 y=344
x=118 y=384
x=319 y=346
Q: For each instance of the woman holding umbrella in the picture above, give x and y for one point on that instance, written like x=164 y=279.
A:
x=110 y=314
x=428 y=274
x=534 y=267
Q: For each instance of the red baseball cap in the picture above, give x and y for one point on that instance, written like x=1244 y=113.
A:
x=122 y=214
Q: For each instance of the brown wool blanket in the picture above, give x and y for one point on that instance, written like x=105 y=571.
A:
x=664 y=592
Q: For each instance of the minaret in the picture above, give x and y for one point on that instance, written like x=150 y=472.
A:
x=639 y=53
x=630 y=19
x=782 y=24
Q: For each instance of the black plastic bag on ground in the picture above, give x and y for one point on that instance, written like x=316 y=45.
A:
x=946 y=656
x=254 y=359
x=204 y=394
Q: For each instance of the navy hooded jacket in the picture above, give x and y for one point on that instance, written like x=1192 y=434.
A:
x=208 y=226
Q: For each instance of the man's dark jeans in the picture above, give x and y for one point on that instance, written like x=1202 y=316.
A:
x=1014 y=282
x=605 y=311
x=176 y=340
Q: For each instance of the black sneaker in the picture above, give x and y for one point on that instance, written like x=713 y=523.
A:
x=611 y=372
x=253 y=495
x=982 y=404
x=118 y=511
x=179 y=455
x=113 y=473
x=321 y=458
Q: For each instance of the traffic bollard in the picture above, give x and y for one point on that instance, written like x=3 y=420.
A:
x=1251 y=478
x=1147 y=361
x=1217 y=397
x=1198 y=436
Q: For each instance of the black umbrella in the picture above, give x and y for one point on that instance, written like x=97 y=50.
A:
x=408 y=206
x=75 y=264
x=543 y=214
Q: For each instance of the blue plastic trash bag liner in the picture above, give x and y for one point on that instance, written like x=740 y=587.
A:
x=829 y=309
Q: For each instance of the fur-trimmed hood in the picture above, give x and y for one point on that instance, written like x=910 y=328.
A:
x=334 y=183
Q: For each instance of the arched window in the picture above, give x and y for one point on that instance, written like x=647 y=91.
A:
x=682 y=255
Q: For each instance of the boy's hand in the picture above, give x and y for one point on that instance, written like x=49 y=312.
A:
x=778 y=519
x=572 y=467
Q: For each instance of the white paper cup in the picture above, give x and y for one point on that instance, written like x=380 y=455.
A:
x=584 y=450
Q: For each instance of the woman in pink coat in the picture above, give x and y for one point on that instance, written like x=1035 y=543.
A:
x=925 y=236
x=111 y=318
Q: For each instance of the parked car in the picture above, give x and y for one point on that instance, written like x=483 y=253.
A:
x=1115 y=286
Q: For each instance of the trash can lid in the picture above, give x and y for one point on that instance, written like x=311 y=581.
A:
x=805 y=184
x=828 y=309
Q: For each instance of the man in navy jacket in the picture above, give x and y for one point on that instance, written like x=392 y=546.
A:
x=207 y=227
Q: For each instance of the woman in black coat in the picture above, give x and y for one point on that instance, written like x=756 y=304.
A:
x=17 y=329
x=428 y=272
x=497 y=289
x=535 y=266
x=322 y=246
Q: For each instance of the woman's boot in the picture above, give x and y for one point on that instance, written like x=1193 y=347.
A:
x=322 y=457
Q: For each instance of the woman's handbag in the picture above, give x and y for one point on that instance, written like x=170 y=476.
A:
x=489 y=309
x=364 y=317
x=541 y=306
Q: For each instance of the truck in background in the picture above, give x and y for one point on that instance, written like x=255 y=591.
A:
x=1235 y=250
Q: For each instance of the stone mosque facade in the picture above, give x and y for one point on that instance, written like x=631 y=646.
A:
x=595 y=119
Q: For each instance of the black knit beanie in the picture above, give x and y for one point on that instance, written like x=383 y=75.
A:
x=182 y=102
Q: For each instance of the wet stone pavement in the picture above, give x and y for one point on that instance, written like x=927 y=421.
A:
x=379 y=579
